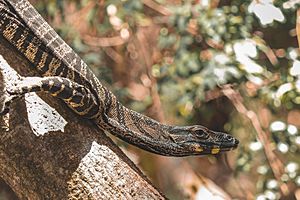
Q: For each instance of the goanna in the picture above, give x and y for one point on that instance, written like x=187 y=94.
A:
x=66 y=76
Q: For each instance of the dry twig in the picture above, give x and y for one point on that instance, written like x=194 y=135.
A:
x=298 y=26
x=156 y=107
x=103 y=41
x=263 y=136
x=157 y=7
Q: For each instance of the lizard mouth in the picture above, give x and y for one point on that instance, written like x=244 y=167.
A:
x=204 y=148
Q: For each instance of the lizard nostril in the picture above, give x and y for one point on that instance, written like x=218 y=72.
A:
x=236 y=141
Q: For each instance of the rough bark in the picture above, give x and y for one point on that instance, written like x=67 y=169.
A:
x=79 y=163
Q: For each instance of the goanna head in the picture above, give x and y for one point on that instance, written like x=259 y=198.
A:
x=199 y=140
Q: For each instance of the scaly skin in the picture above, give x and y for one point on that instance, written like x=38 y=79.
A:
x=66 y=76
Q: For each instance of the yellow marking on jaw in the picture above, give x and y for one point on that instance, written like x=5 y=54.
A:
x=198 y=149
x=215 y=150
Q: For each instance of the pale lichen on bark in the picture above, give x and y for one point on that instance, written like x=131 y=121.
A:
x=79 y=163
x=42 y=117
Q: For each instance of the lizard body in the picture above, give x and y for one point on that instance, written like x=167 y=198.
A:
x=66 y=76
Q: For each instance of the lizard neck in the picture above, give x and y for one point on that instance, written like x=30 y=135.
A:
x=137 y=129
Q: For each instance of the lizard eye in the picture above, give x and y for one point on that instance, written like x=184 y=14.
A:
x=200 y=132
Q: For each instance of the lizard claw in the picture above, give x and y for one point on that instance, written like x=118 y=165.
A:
x=5 y=101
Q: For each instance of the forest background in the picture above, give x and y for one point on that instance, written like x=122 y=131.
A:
x=229 y=65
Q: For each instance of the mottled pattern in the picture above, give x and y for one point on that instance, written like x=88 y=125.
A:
x=66 y=76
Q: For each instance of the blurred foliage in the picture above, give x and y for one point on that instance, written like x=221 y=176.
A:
x=193 y=49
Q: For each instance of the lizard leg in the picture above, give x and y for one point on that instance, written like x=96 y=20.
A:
x=76 y=96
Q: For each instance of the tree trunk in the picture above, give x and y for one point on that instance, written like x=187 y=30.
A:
x=55 y=154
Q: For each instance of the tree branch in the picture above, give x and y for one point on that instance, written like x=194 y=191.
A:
x=263 y=136
x=77 y=162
